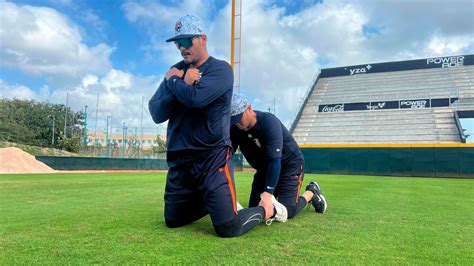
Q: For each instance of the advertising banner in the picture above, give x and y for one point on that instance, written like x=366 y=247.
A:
x=382 y=105
x=415 y=104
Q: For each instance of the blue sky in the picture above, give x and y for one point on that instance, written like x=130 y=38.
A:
x=50 y=48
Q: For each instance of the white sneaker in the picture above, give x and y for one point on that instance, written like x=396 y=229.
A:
x=281 y=213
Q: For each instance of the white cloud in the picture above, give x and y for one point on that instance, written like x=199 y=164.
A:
x=117 y=79
x=441 y=45
x=15 y=91
x=158 y=22
x=120 y=95
x=18 y=91
x=156 y=13
x=89 y=80
x=41 y=41
x=412 y=29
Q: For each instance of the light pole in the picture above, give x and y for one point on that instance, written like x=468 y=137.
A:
x=107 y=137
x=84 y=140
x=124 y=138
x=65 y=115
x=52 y=137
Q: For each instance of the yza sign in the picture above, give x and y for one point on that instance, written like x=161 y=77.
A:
x=362 y=70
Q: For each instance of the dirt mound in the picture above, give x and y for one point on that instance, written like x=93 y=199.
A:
x=14 y=160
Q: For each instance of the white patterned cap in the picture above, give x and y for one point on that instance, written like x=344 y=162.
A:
x=239 y=104
x=187 y=27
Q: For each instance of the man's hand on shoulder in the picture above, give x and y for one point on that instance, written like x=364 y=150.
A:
x=266 y=203
x=192 y=76
x=174 y=72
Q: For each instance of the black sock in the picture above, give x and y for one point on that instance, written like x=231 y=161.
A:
x=293 y=210
x=245 y=220
x=301 y=204
x=250 y=217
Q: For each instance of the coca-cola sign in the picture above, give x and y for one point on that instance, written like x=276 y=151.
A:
x=331 y=108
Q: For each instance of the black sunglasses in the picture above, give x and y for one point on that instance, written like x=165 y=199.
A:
x=186 y=42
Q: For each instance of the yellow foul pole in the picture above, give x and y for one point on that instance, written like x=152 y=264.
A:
x=235 y=54
x=232 y=32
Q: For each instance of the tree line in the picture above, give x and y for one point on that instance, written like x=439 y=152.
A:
x=40 y=124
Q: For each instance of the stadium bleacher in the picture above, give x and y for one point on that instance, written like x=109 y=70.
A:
x=395 y=102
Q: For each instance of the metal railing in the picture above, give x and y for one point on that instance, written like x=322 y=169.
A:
x=304 y=100
x=462 y=136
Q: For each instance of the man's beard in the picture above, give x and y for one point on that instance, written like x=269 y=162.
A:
x=191 y=62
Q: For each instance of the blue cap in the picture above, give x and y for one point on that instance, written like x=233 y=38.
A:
x=187 y=27
x=239 y=104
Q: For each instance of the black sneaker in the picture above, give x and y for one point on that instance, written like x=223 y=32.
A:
x=319 y=202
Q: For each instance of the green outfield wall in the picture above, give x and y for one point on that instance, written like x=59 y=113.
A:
x=429 y=160
x=102 y=163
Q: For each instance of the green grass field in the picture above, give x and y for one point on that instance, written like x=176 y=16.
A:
x=118 y=219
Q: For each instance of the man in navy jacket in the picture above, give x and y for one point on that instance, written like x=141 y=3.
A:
x=195 y=97
x=269 y=148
